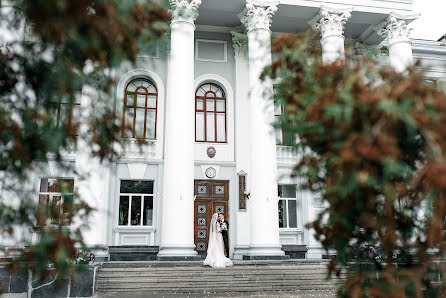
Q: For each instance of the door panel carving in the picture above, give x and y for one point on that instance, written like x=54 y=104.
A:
x=211 y=196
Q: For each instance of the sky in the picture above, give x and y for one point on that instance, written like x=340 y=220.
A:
x=432 y=23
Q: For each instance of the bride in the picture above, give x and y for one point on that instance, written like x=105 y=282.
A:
x=216 y=257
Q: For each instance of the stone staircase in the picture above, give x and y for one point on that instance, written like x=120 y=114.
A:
x=192 y=278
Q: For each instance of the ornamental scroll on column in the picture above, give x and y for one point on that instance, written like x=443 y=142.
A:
x=331 y=23
x=259 y=16
x=184 y=10
x=396 y=33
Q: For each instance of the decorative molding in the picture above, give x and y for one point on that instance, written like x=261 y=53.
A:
x=184 y=10
x=259 y=15
x=330 y=21
x=225 y=50
x=240 y=43
x=394 y=29
x=165 y=41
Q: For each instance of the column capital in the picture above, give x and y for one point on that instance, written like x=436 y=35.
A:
x=394 y=29
x=259 y=15
x=330 y=21
x=240 y=43
x=184 y=10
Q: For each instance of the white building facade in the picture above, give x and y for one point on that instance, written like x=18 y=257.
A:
x=196 y=98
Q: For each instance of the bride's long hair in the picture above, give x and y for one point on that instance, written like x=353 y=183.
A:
x=212 y=232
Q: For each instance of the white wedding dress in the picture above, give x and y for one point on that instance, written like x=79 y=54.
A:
x=216 y=248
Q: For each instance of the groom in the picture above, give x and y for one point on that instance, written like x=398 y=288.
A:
x=221 y=220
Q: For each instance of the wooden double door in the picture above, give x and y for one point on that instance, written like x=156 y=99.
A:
x=212 y=196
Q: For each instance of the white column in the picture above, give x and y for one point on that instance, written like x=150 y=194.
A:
x=330 y=22
x=396 y=32
x=178 y=201
x=242 y=139
x=263 y=174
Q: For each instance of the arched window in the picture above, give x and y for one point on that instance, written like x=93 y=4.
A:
x=210 y=114
x=140 y=109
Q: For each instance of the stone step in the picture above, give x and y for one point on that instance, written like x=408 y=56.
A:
x=213 y=276
x=229 y=289
x=208 y=269
x=184 y=264
x=235 y=279
x=243 y=277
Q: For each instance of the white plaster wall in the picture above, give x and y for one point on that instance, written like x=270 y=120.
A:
x=222 y=74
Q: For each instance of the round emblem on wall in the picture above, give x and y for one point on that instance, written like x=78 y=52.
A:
x=211 y=151
x=210 y=172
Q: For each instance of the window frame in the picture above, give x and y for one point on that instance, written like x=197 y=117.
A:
x=225 y=50
x=215 y=113
x=56 y=106
x=286 y=200
x=130 y=195
x=135 y=108
x=52 y=195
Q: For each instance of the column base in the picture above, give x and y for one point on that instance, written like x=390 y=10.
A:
x=178 y=253
x=177 y=258
x=315 y=252
x=240 y=251
x=265 y=251
x=269 y=258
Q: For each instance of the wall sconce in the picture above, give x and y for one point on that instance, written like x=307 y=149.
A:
x=243 y=193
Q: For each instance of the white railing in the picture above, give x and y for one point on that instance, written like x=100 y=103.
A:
x=133 y=149
x=286 y=155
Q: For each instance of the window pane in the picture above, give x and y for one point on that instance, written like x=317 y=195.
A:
x=44 y=185
x=148 y=211
x=199 y=130
x=150 y=128
x=200 y=104
x=210 y=105
x=151 y=101
x=287 y=191
x=282 y=214
x=123 y=210
x=135 y=218
x=151 y=89
x=220 y=105
x=278 y=132
x=292 y=213
x=136 y=186
x=210 y=127
x=289 y=139
x=130 y=100
x=66 y=210
x=55 y=209
x=201 y=91
x=221 y=129
x=131 y=87
x=129 y=117
x=141 y=100
x=43 y=209
x=277 y=109
x=219 y=93
x=139 y=124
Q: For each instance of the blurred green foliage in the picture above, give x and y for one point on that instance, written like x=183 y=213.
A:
x=372 y=145
x=53 y=52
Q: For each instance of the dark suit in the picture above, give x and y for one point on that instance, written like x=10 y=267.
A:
x=225 y=239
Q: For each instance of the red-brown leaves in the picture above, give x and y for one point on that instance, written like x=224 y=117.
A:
x=374 y=144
